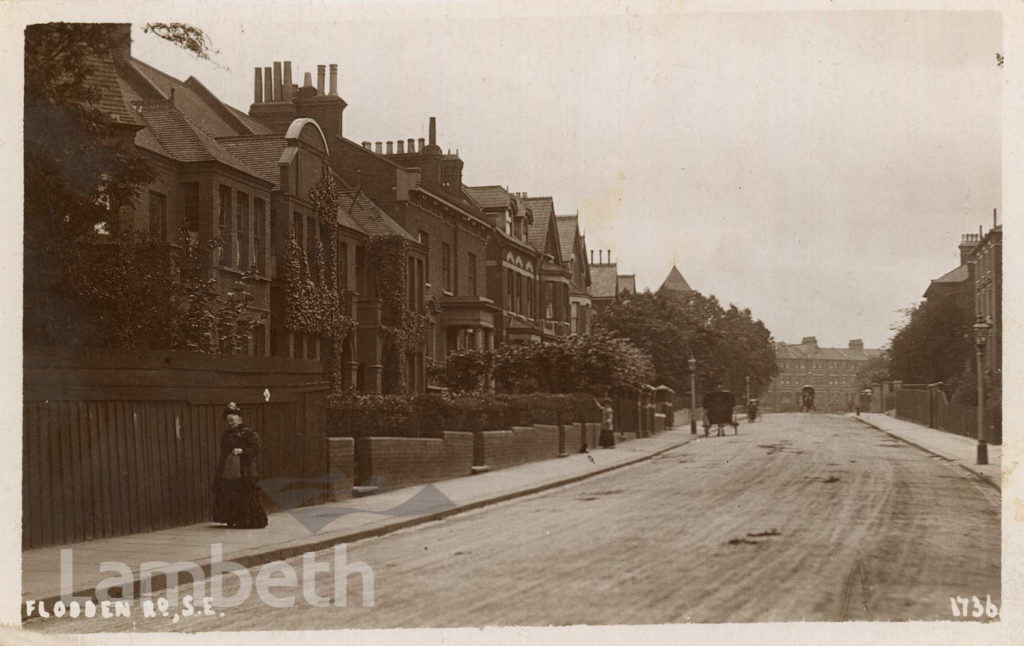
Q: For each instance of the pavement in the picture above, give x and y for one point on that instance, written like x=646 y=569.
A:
x=955 y=448
x=308 y=529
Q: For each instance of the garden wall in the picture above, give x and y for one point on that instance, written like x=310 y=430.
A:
x=400 y=461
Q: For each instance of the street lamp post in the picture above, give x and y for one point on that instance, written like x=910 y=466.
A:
x=748 y=389
x=981 y=329
x=693 y=395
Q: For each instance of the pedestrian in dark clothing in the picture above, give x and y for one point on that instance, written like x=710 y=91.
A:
x=607 y=437
x=236 y=496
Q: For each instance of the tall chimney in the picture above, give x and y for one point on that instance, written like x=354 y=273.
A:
x=420 y=148
x=609 y=256
x=411 y=145
x=307 y=80
x=278 y=94
x=994 y=218
x=334 y=79
x=258 y=86
x=433 y=131
x=591 y=256
x=268 y=86
x=321 y=76
x=401 y=147
x=390 y=151
x=600 y=256
x=378 y=147
x=287 y=94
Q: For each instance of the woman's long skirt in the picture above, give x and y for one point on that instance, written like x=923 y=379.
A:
x=236 y=502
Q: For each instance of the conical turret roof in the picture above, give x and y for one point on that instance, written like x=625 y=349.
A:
x=675 y=282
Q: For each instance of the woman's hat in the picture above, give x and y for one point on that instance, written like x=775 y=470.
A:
x=232 y=409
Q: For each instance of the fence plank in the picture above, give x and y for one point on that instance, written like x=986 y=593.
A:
x=47 y=470
x=111 y=462
x=65 y=497
x=31 y=481
x=85 y=460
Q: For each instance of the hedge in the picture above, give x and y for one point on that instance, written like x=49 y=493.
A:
x=356 y=415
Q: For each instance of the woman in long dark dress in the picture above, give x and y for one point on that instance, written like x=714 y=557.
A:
x=236 y=499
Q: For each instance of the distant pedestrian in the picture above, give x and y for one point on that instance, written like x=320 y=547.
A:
x=236 y=500
x=607 y=437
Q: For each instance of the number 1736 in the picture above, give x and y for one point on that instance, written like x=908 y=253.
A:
x=973 y=607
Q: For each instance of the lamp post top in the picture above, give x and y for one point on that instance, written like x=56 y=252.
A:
x=981 y=330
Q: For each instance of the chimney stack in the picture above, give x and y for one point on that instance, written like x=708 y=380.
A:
x=258 y=86
x=287 y=83
x=378 y=147
x=401 y=147
x=421 y=140
x=334 y=79
x=321 y=76
x=433 y=131
x=278 y=89
x=390 y=151
x=856 y=344
x=268 y=86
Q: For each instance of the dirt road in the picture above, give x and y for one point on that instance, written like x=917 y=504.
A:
x=799 y=517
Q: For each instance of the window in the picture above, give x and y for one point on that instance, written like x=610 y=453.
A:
x=425 y=241
x=190 y=206
x=509 y=289
x=224 y=220
x=158 y=215
x=410 y=284
x=259 y=340
x=342 y=266
x=419 y=286
x=508 y=223
x=297 y=229
x=519 y=293
x=446 y=269
x=259 y=235
x=242 y=259
x=471 y=274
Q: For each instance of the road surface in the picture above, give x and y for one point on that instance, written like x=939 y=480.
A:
x=798 y=518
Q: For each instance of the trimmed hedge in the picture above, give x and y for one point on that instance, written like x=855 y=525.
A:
x=355 y=415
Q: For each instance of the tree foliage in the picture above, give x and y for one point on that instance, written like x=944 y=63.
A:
x=728 y=344
x=934 y=344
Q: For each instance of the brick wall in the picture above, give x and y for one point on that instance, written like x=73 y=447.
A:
x=341 y=461
x=399 y=461
x=519 y=445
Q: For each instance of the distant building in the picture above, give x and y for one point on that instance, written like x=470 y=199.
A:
x=832 y=372
x=604 y=277
x=675 y=282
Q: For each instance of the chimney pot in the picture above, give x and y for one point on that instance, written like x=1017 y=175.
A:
x=287 y=81
x=433 y=131
x=307 y=80
x=591 y=256
x=609 y=256
x=258 y=86
x=378 y=147
x=600 y=256
x=401 y=147
x=278 y=90
x=411 y=145
x=390 y=150
x=334 y=79
x=367 y=145
x=321 y=75
x=421 y=140
x=268 y=85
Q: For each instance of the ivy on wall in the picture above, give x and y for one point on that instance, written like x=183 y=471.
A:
x=314 y=302
x=403 y=330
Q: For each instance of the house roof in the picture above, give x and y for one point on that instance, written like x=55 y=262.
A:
x=113 y=99
x=543 y=210
x=260 y=152
x=604 y=280
x=812 y=351
x=368 y=216
x=627 y=282
x=489 y=197
x=568 y=228
x=200 y=105
x=179 y=138
x=957 y=275
x=675 y=282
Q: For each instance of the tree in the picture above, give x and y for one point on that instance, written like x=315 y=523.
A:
x=82 y=170
x=934 y=345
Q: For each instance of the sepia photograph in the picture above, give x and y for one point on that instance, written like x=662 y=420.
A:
x=353 y=316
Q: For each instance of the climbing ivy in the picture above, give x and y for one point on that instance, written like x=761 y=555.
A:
x=314 y=302
x=403 y=330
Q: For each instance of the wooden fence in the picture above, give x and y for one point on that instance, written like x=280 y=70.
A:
x=928 y=405
x=120 y=443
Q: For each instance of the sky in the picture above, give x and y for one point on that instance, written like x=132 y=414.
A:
x=818 y=168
